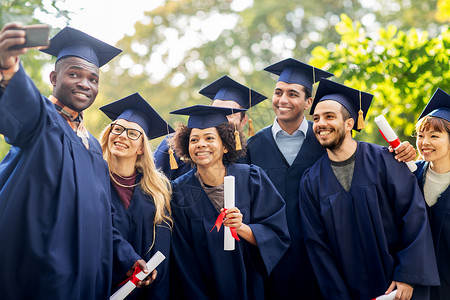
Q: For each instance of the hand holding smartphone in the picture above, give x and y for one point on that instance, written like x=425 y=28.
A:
x=35 y=36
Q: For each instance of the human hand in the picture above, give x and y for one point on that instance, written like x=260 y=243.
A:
x=405 y=152
x=10 y=36
x=233 y=217
x=148 y=279
x=404 y=290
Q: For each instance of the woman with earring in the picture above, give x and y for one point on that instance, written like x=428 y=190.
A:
x=433 y=174
x=201 y=268
x=139 y=192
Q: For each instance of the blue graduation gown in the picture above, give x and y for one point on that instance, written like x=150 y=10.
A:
x=162 y=161
x=201 y=267
x=136 y=226
x=439 y=216
x=293 y=277
x=360 y=241
x=55 y=212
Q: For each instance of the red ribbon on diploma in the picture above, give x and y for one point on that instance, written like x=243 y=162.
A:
x=394 y=144
x=133 y=277
x=219 y=222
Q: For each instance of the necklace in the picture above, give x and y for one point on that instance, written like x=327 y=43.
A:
x=125 y=178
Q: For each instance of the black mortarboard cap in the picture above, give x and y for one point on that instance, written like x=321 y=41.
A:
x=293 y=71
x=72 y=42
x=228 y=89
x=134 y=108
x=353 y=100
x=205 y=116
x=438 y=106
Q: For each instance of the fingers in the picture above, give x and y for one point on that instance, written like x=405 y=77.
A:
x=391 y=288
x=10 y=35
x=405 y=152
x=148 y=280
x=141 y=263
x=233 y=217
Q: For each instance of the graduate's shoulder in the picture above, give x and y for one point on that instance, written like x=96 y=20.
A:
x=245 y=168
x=260 y=136
x=164 y=144
x=185 y=179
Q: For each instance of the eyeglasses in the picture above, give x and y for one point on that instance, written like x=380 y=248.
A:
x=132 y=134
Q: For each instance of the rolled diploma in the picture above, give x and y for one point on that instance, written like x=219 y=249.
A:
x=390 y=296
x=390 y=135
x=228 y=187
x=129 y=286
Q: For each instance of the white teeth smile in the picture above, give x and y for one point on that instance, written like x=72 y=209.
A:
x=201 y=153
x=426 y=151
x=81 y=95
x=324 y=132
x=283 y=109
x=120 y=144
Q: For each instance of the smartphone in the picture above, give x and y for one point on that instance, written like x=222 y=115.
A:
x=35 y=35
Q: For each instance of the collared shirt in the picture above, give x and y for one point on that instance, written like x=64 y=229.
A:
x=289 y=144
x=73 y=118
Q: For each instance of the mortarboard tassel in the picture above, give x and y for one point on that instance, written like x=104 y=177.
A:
x=251 y=131
x=314 y=85
x=238 y=140
x=172 y=161
x=360 y=124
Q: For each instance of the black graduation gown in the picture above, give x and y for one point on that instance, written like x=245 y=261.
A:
x=360 y=241
x=162 y=161
x=293 y=277
x=56 y=231
x=136 y=226
x=439 y=216
x=202 y=268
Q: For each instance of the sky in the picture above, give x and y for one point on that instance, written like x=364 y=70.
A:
x=110 y=20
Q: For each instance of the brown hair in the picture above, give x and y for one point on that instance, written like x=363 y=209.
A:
x=430 y=122
x=226 y=133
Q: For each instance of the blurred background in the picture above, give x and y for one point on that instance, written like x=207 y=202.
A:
x=397 y=50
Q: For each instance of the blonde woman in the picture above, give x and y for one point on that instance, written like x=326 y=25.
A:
x=139 y=192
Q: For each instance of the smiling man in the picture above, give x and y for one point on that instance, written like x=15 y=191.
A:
x=55 y=213
x=285 y=150
x=364 y=218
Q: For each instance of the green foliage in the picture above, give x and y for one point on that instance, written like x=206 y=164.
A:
x=401 y=68
x=169 y=76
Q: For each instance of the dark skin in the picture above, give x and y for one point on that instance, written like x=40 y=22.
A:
x=75 y=84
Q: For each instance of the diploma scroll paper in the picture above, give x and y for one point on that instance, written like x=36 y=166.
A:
x=390 y=296
x=129 y=286
x=228 y=186
x=392 y=138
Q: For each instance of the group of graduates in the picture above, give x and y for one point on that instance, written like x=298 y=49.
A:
x=317 y=214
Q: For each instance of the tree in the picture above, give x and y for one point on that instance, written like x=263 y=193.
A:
x=245 y=41
x=24 y=11
x=183 y=45
x=402 y=70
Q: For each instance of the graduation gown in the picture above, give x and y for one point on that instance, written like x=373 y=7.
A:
x=162 y=161
x=56 y=231
x=293 y=277
x=439 y=216
x=360 y=241
x=202 y=268
x=136 y=226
